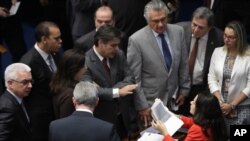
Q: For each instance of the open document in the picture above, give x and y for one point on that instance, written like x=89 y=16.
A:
x=161 y=112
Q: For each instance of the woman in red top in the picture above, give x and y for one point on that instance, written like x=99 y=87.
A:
x=207 y=123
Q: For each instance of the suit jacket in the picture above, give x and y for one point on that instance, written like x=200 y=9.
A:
x=86 y=41
x=108 y=107
x=63 y=104
x=82 y=16
x=195 y=132
x=148 y=65
x=82 y=126
x=215 y=39
x=14 y=125
x=239 y=77
x=39 y=101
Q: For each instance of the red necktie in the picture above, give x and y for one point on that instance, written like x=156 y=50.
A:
x=105 y=65
x=193 y=57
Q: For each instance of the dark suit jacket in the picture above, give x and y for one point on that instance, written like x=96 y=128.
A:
x=108 y=107
x=82 y=16
x=215 y=39
x=39 y=101
x=14 y=125
x=86 y=41
x=82 y=126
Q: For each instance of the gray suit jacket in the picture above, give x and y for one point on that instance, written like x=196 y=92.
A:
x=108 y=107
x=215 y=39
x=147 y=63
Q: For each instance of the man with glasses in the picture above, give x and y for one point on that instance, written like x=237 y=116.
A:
x=200 y=31
x=14 y=119
x=42 y=59
x=158 y=57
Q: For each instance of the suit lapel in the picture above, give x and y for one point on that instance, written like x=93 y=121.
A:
x=40 y=61
x=155 y=46
x=97 y=64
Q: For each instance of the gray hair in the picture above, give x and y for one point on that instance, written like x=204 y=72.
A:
x=12 y=70
x=85 y=93
x=154 y=5
x=204 y=13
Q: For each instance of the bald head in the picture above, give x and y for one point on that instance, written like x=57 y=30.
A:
x=104 y=15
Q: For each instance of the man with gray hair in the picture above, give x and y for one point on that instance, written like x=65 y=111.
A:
x=14 y=119
x=82 y=125
x=201 y=40
x=158 y=57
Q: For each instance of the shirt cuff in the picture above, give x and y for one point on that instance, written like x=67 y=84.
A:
x=116 y=93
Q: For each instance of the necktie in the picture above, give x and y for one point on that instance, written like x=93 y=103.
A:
x=105 y=65
x=166 y=51
x=192 y=57
x=24 y=110
x=52 y=65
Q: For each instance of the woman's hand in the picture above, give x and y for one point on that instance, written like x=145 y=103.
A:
x=158 y=125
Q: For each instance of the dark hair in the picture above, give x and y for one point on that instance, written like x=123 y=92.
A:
x=42 y=29
x=209 y=116
x=72 y=61
x=204 y=13
x=107 y=33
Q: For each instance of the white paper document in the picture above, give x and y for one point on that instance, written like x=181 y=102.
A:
x=14 y=8
x=161 y=112
x=151 y=137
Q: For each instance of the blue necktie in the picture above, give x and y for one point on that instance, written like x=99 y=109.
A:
x=166 y=51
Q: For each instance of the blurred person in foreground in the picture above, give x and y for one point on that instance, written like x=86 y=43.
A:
x=204 y=125
x=82 y=125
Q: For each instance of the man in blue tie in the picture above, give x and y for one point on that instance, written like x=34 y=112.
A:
x=158 y=57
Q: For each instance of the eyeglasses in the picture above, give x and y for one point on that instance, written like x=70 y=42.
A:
x=229 y=37
x=24 y=82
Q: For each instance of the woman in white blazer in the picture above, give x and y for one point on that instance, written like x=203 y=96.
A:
x=229 y=74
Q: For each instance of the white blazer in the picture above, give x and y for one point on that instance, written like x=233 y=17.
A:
x=240 y=77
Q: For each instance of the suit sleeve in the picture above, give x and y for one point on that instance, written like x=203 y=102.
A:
x=134 y=60
x=6 y=122
x=85 y=5
x=184 y=78
x=212 y=79
x=113 y=135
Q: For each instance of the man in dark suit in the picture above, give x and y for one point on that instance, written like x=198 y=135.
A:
x=14 y=119
x=103 y=15
x=209 y=37
x=82 y=125
x=42 y=59
x=107 y=67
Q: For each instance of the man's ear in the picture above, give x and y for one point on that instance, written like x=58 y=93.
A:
x=97 y=101
x=74 y=101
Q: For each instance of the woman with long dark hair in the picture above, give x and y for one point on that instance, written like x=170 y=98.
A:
x=69 y=72
x=207 y=123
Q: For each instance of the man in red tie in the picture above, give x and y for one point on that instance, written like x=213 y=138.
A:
x=107 y=67
x=201 y=39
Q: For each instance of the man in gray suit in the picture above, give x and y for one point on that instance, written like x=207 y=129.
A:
x=107 y=68
x=159 y=74
x=209 y=37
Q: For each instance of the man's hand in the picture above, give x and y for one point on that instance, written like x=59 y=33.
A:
x=128 y=89
x=180 y=100
x=145 y=116
x=4 y=12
